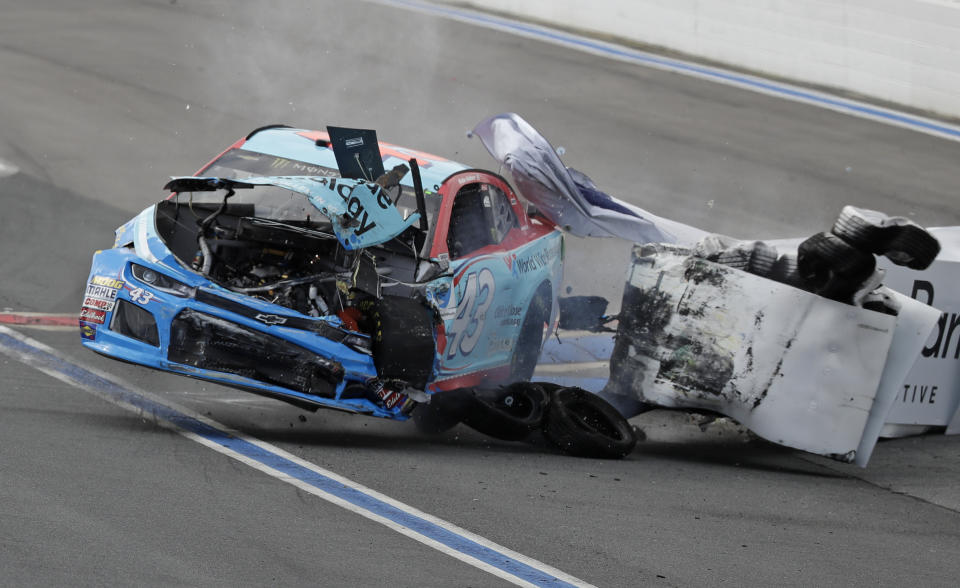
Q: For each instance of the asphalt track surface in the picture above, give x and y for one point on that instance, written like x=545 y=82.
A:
x=99 y=104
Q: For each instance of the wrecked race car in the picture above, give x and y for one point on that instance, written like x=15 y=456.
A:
x=295 y=267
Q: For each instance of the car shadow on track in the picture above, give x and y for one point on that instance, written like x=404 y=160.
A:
x=755 y=455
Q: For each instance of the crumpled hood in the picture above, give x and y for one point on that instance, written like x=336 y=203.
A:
x=361 y=212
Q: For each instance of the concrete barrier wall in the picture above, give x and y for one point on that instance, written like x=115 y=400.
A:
x=902 y=51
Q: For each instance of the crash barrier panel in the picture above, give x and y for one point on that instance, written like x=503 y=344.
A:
x=925 y=393
x=796 y=368
x=930 y=393
x=901 y=51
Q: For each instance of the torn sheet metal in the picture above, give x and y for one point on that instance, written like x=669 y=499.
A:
x=797 y=369
x=362 y=213
x=566 y=196
x=912 y=328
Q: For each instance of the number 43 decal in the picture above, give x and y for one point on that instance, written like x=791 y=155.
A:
x=471 y=313
x=141 y=296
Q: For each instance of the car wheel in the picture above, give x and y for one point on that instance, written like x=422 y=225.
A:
x=901 y=240
x=403 y=340
x=526 y=352
x=833 y=268
x=510 y=413
x=583 y=424
x=444 y=411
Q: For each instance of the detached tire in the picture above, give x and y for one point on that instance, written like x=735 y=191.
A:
x=785 y=271
x=583 y=424
x=833 y=268
x=508 y=414
x=444 y=411
x=900 y=239
x=762 y=259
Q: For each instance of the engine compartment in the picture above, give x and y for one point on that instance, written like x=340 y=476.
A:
x=298 y=264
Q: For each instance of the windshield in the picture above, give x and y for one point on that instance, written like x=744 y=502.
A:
x=278 y=203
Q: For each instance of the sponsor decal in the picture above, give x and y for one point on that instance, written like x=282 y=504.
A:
x=105 y=281
x=499 y=344
x=87 y=331
x=92 y=315
x=392 y=399
x=356 y=212
x=940 y=344
x=523 y=264
x=270 y=319
x=302 y=169
x=97 y=303
x=388 y=397
x=917 y=393
x=355 y=142
x=509 y=316
x=101 y=292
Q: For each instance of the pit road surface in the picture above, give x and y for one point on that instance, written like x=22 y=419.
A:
x=100 y=104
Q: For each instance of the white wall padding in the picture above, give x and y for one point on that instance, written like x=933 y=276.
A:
x=902 y=51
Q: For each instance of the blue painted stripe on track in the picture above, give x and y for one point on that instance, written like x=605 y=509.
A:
x=279 y=463
x=717 y=74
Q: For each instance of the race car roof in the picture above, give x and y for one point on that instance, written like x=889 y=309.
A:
x=302 y=145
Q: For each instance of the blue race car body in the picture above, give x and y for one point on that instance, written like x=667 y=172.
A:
x=274 y=272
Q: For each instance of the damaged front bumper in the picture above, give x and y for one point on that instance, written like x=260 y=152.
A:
x=216 y=335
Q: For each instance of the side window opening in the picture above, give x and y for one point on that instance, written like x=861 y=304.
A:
x=500 y=215
x=481 y=216
x=469 y=228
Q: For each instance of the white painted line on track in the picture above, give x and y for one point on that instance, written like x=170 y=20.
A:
x=275 y=462
x=715 y=74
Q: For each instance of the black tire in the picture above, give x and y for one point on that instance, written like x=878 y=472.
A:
x=510 y=413
x=583 y=424
x=898 y=238
x=444 y=411
x=833 y=268
x=762 y=259
x=785 y=271
x=737 y=257
x=526 y=353
x=913 y=247
x=862 y=228
x=403 y=341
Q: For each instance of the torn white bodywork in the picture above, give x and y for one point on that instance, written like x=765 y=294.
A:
x=795 y=368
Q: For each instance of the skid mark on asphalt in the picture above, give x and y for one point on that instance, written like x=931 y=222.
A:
x=273 y=461
x=688 y=68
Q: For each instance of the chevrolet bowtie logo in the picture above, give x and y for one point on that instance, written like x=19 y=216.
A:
x=270 y=319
